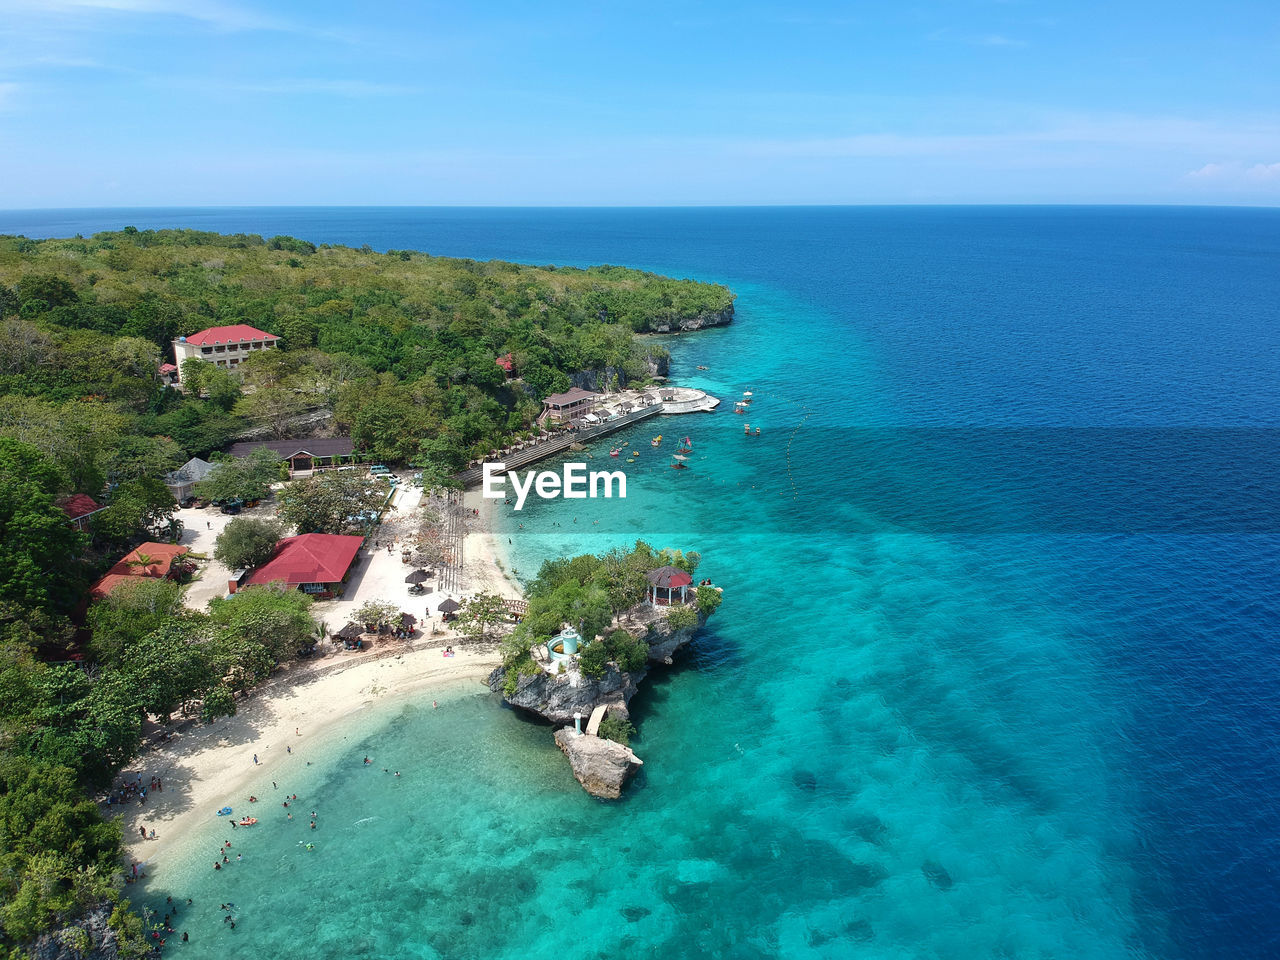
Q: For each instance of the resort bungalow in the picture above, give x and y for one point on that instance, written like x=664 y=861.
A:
x=570 y=405
x=151 y=560
x=299 y=454
x=181 y=482
x=667 y=585
x=315 y=563
x=79 y=507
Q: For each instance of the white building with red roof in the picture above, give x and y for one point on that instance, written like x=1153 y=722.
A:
x=225 y=346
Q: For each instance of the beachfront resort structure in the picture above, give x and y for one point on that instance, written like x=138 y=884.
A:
x=300 y=455
x=315 y=563
x=225 y=347
x=182 y=482
x=150 y=560
x=568 y=406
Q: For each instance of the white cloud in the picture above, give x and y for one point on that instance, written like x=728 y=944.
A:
x=213 y=12
x=1236 y=173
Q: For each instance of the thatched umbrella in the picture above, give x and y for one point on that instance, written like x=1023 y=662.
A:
x=407 y=620
x=449 y=606
x=351 y=631
x=418 y=576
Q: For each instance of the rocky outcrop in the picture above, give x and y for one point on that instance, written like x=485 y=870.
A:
x=710 y=318
x=601 y=766
x=88 y=939
x=559 y=695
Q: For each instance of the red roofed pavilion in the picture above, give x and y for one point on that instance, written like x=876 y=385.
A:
x=667 y=579
x=313 y=562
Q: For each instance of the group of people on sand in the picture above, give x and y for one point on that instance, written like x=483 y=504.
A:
x=126 y=791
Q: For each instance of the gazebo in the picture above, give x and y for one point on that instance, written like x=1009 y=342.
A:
x=665 y=581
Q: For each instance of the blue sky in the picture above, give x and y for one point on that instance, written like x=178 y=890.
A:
x=177 y=102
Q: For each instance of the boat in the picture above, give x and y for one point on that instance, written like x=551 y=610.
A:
x=740 y=407
x=686 y=446
x=679 y=462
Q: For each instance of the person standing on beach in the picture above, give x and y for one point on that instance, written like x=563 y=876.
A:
x=255 y=758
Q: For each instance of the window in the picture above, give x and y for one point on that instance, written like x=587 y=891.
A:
x=206 y=350
x=219 y=349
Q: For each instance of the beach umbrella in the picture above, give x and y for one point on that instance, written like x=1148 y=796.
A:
x=449 y=606
x=350 y=632
x=418 y=576
x=407 y=620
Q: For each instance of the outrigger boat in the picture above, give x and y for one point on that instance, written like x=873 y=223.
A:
x=679 y=462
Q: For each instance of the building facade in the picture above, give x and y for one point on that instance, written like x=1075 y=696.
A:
x=226 y=347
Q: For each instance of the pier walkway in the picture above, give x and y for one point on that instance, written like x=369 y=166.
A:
x=541 y=449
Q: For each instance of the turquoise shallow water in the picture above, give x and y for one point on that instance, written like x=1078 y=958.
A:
x=971 y=693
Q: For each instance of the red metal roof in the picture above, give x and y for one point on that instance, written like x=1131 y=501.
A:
x=168 y=368
x=669 y=577
x=128 y=567
x=233 y=334
x=308 y=558
x=79 y=505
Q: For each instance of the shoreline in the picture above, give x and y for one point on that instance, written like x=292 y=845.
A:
x=287 y=722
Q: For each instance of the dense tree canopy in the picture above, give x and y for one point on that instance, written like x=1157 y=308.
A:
x=402 y=345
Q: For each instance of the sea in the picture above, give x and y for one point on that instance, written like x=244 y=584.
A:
x=995 y=673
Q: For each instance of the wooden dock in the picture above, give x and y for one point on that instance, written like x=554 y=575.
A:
x=542 y=449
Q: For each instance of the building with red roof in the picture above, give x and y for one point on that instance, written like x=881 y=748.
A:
x=151 y=560
x=312 y=562
x=223 y=346
x=668 y=580
x=79 y=507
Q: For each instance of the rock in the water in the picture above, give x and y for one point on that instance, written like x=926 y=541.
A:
x=937 y=874
x=601 y=766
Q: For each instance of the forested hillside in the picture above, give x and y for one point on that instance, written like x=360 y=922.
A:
x=400 y=347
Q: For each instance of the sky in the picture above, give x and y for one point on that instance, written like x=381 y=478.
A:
x=612 y=102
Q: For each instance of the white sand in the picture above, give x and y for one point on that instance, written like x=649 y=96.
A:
x=209 y=767
x=212 y=766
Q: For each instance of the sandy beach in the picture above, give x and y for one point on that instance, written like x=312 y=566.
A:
x=283 y=723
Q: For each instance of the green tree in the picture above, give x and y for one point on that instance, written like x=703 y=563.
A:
x=248 y=542
x=617 y=729
x=332 y=502
x=260 y=627
x=132 y=610
x=39 y=550
x=244 y=478
x=480 y=613
x=377 y=613
x=139 y=507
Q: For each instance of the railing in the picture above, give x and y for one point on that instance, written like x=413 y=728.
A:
x=541 y=449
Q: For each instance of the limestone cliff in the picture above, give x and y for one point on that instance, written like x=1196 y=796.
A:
x=601 y=766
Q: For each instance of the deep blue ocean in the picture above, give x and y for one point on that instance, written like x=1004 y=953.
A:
x=996 y=670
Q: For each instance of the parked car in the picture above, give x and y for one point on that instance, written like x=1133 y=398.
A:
x=233 y=506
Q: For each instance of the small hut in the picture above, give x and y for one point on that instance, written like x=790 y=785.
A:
x=664 y=584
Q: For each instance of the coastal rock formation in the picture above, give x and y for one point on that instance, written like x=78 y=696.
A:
x=88 y=939
x=556 y=697
x=716 y=318
x=601 y=766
